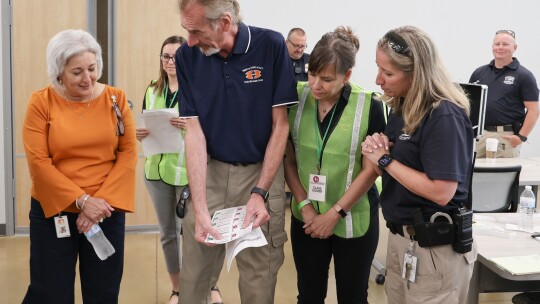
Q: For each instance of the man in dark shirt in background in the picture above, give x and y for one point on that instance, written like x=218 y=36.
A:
x=512 y=89
x=296 y=45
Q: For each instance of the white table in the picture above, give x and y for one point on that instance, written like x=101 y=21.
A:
x=487 y=276
x=530 y=168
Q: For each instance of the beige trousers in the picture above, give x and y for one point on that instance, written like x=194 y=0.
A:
x=442 y=275
x=229 y=186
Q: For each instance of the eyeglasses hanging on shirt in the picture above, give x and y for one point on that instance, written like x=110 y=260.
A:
x=120 y=122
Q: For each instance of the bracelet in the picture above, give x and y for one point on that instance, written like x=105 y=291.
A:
x=84 y=201
x=77 y=203
x=303 y=203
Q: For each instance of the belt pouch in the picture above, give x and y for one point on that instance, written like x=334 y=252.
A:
x=432 y=234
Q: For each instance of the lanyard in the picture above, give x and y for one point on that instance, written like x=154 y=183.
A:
x=166 y=94
x=319 y=144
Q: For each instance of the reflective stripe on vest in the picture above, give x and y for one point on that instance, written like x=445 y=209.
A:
x=356 y=120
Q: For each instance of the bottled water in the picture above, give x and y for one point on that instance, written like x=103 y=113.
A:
x=526 y=209
x=99 y=241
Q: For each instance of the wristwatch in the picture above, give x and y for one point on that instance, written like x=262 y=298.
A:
x=261 y=192
x=521 y=137
x=339 y=210
x=384 y=161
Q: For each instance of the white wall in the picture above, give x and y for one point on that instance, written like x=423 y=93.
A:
x=462 y=29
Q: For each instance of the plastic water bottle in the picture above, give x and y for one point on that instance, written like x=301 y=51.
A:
x=99 y=241
x=527 y=209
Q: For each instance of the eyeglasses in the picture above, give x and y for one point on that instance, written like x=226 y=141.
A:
x=166 y=57
x=298 y=46
x=181 y=206
x=397 y=43
x=120 y=123
x=509 y=32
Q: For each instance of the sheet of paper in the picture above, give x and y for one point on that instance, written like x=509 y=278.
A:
x=163 y=137
x=519 y=265
x=517 y=228
x=253 y=239
x=228 y=222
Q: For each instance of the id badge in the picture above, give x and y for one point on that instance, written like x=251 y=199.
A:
x=317 y=187
x=62 y=227
x=409 y=267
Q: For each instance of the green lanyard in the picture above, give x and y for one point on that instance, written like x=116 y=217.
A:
x=319 y=145
x=166 y=93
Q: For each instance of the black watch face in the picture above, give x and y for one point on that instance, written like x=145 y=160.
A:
x=385 y=160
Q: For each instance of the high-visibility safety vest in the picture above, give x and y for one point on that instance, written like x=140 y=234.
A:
x=341 y=157
x=168 y=167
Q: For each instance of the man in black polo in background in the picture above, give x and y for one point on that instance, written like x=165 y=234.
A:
x=512 y=89
x=296 y=44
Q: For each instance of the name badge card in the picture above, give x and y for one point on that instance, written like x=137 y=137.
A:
x=62 y=227
x=317 y=187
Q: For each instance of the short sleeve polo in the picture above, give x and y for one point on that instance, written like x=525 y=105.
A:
x=508 y=88
x=233 y=97
x=441 y=147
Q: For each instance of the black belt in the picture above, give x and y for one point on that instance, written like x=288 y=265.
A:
x=398 y=229
x=235 y=163
x=494 y=128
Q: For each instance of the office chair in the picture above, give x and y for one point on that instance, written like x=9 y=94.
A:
x=526 y=298
x=495 y=189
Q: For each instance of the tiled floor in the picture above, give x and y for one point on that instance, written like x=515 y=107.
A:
x=145 y=280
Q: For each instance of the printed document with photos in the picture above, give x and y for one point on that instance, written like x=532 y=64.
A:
x=228 y=222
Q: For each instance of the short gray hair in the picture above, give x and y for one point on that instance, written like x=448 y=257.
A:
x=215 y=9
x=67 y=44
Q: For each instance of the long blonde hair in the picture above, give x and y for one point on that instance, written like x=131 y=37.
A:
x=430 y=81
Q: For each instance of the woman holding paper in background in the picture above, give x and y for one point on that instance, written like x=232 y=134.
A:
x=165 y=174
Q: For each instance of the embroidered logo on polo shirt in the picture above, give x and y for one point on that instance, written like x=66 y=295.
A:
x=509 y=80
x=404 y=136
x=253 y=74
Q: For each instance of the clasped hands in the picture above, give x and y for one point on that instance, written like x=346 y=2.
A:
x=319 y=226
x=94 y=211
x=375 y=146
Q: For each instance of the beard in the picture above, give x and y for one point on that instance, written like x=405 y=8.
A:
x=209 y=51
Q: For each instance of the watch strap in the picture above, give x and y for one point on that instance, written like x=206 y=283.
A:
x=263 y=193
x=521 y=137
x=339 y=210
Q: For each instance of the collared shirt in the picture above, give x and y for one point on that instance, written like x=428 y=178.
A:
x=441 y=147
x=300 y=67
x=233 y=97
x=508 y=88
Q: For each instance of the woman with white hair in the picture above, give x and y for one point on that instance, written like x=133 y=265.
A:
x=80 y=143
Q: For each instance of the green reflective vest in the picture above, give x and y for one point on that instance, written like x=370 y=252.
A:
x=168 y=167
x=342 y=155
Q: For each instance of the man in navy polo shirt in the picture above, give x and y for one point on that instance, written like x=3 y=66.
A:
x=235 y=84
x=512 y=89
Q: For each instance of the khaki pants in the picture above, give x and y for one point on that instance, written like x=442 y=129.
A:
x=442 y=275
x=229 y=186
x=504 y=149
